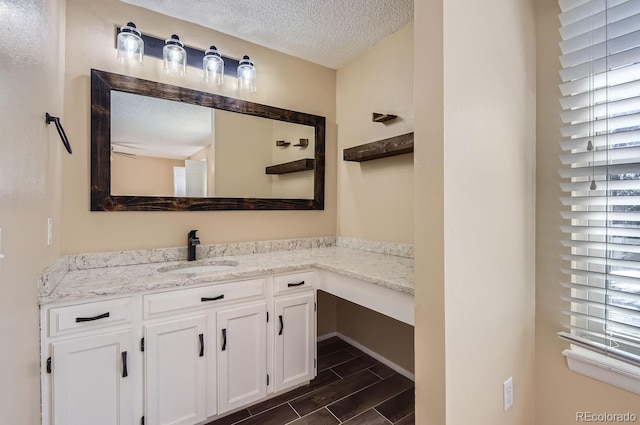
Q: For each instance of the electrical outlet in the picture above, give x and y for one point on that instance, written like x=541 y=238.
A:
x=507 y=387
x=49 y=231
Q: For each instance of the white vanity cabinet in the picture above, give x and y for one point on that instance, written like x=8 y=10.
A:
x=175 y=371
x=205 y=350
x=242 y=355
x=294 y=330
x=87 y=355
x=177 y=356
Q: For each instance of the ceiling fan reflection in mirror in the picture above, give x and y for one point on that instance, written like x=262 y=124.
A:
x=121 y=153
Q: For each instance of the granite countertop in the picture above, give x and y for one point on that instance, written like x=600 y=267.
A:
x=77 y=283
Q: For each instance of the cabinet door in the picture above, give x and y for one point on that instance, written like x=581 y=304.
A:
x=175 y=371
x=91 y=382
x=294 y=340
x=242 y=356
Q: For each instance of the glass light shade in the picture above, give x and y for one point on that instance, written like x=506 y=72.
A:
x=213 y=66
x=247 y=82
x=130 y=46
x=174 y=57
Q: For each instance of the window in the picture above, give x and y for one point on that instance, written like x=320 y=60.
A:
x=601 y=174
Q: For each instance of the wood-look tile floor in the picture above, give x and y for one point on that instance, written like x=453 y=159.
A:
x=351 y=388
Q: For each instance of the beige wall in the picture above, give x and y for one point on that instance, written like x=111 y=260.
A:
x=292 y=185
x=388 y=337
x=284 y=81
x=327 y=314
x=560 y=393
x=30 y=191
x=430 y=364
x=375 y=198
x=243 y=151
x=485 y=279
x=142 y=175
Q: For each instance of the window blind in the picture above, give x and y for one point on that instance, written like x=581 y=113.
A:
x=601 y=174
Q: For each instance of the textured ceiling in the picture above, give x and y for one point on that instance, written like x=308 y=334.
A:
x=327 y=32
x=147 y=126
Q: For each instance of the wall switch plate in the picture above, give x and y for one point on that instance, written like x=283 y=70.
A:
x=49 y=231
x=508 y=393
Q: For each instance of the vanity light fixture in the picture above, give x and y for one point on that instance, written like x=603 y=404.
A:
x=247 y=76
x=213 y=66
x=130 y=45
x=174 y=56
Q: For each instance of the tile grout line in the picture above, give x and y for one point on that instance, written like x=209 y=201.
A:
x=338 y=364
x=385 y=418
x=294 y=411
x=404 y=417
x=326 y=406
x=373 y=407
x=350 y=394
x=331 y=413
x=384 y=401
x=302 y=395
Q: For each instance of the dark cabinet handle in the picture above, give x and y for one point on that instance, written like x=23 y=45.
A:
x=125 y=373
x=290 y=285
x=224 y=339
x=91 y=319
x=201 y=336
x=281 y=325
x=219 y=297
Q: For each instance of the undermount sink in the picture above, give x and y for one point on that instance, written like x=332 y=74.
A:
x=198 y=268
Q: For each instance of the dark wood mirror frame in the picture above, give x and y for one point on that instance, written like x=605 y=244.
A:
x=102 y=83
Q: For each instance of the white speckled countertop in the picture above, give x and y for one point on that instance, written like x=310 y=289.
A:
x=369 y=262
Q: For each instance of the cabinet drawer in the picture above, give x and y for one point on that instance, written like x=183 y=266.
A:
x=294 y=282
x=205 y=296
x=79 y=317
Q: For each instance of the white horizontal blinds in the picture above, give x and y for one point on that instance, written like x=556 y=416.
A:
x=601 y=174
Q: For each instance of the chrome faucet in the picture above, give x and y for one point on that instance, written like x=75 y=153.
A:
x=192 y=242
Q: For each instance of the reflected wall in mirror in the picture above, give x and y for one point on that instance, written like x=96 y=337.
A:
x=161 y=147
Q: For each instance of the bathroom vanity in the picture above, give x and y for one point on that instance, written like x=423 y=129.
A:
x=180 y=342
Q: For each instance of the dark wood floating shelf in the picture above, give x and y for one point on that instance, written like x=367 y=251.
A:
x=292 y=167
x=393 y=146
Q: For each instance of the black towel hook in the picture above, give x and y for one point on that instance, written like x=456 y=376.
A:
x=49 y=119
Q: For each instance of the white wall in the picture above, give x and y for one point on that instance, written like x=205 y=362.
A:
x=486 y=278
x=31 y=83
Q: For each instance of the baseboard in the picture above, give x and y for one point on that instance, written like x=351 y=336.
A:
x=402 y=371
x=327 y=336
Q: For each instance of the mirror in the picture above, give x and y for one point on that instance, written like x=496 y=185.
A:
x=158 y=147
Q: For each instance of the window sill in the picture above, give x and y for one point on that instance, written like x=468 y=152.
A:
x=603 y=368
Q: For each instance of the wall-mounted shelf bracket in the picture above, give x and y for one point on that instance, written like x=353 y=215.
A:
x=376 y=117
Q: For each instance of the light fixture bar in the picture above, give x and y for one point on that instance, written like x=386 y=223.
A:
x=153 y=47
